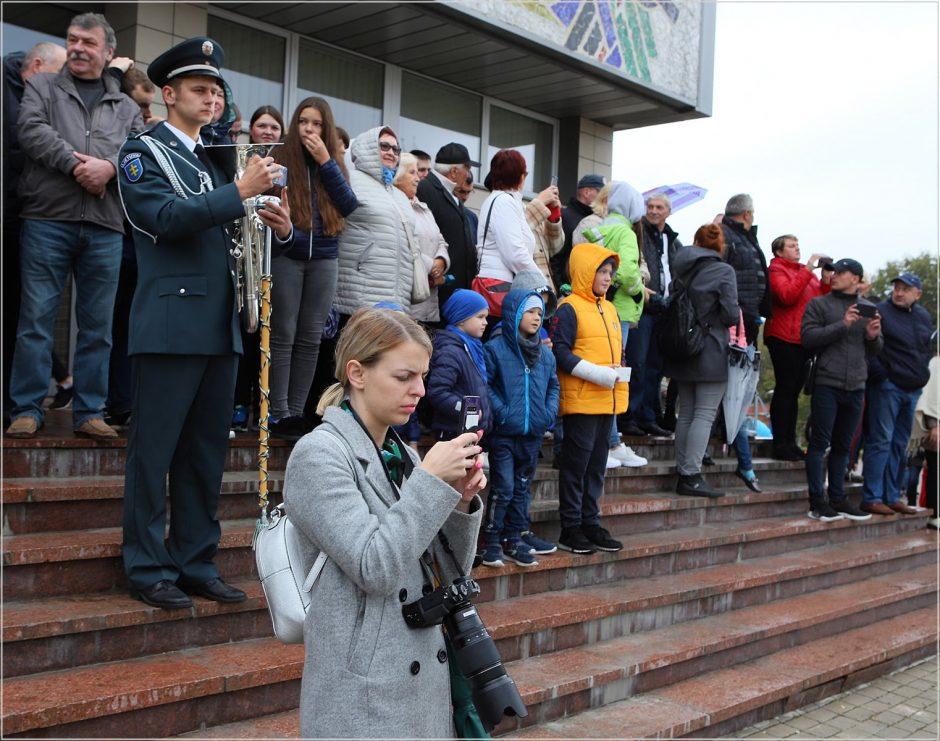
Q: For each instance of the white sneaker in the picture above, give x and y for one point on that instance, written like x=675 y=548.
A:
x=934 y=523
x=624 y=453
x=612 y=462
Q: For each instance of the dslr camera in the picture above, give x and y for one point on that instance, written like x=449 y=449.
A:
x=494 y=692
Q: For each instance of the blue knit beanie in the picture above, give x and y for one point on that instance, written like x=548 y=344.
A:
x=462 y=304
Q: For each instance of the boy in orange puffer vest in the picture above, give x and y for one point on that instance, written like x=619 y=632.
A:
x=594 y=387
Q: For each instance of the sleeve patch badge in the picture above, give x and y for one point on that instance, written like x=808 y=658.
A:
x=133 y=167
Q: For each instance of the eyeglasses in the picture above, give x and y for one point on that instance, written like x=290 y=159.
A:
x=387 y=147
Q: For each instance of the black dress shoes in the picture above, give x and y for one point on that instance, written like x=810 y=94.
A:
x=632 y=429
x=217 y=590
x=655 y=430
x=695 y=486
x=163 y=594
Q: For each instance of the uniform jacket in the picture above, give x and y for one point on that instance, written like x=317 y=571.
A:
x=744 y=254
x=53 y=123
x=375 y=261
x=509 y=243
x=453 y=376
x=713 y=290
x=586 y=327
x=185 y=297
x=841 y=351
x=366 y=673
x=792 y=286
x=905 y=358
x=452 y=220
x=312 y=244
x=524 y=398
x=652 y=253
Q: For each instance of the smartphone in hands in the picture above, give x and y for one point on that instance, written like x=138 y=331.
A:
x=470 y=421
x=867 y=310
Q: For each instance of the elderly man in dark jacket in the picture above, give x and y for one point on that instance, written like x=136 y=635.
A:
x=70 y=127
x=834 y=328
x=896 y=378
x=451 y=167
x=743 y=253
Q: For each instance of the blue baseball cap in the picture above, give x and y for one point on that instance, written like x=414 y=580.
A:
x=909 y=279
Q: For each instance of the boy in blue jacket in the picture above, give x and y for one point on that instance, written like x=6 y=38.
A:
x=457 y=365
x=523 y=392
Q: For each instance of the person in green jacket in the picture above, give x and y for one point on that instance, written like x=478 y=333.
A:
x=625 y=207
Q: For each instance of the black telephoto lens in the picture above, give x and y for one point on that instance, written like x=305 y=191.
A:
x=494 y=692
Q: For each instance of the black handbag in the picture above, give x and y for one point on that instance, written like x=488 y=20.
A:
x=809 y=375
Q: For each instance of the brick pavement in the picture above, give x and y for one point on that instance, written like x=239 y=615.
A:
x=902 y=705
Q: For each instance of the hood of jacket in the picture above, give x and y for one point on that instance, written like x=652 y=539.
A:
x=625 y=200
x=533 y=280
x=512 y=312
x=12 y=65
x=688 y=257
x=364 y=150
x=585 y=260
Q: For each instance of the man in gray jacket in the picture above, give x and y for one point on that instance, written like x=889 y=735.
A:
x=835 y=329
x=70 y=127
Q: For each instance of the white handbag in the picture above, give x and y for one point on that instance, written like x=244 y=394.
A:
x=287 y=588
x=287 y=584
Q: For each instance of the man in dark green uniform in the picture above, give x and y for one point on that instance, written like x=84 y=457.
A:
x=184 y=334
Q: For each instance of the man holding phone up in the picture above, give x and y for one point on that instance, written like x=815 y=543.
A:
x=843 y=330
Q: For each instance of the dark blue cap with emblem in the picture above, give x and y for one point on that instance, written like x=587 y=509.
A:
x=197 y=56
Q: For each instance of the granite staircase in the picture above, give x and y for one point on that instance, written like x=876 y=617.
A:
x=715 y=615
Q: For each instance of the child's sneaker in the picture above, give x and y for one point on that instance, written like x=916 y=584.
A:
x=519 y=553
x=493 y=555
x=538 y=545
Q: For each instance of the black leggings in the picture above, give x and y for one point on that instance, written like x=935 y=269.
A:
x=788 y=360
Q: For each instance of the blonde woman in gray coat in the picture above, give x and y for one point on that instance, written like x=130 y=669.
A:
x=354 y=491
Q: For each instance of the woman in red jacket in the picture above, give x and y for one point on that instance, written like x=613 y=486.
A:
x=792 y=286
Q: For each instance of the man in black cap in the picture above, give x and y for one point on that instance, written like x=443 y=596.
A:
x=578 y=207
x=896 y=378
x=184 y=331
x=844 y=331
x=451 y=166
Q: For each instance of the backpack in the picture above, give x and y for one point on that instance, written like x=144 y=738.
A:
x=680 y=333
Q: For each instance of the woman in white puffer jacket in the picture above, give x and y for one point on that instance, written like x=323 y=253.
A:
x=375 y=260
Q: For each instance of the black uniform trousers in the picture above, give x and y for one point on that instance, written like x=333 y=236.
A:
x=181 y=412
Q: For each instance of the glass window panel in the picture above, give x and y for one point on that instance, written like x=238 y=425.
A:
x=17 y=38
x=254 y=65
x=433 y=115
x=353 y=86
x=533 y=138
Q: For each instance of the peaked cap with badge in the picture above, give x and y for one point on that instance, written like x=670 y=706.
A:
x=196 y=56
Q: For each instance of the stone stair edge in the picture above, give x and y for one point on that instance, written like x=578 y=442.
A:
x=597 y=601
x=711 y=698
x=99 y=690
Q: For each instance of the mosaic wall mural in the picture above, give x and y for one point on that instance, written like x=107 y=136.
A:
x=652 y=41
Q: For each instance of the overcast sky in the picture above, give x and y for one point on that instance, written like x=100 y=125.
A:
x=826 y=113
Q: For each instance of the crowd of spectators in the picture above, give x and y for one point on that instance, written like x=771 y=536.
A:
x=359 y=220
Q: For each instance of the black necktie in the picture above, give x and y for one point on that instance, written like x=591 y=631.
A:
x=203 y=157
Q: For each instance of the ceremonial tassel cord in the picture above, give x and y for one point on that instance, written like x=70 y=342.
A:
x=263 y=392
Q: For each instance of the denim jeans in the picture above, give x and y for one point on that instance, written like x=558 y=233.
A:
x=512 y=467
x=890 y=418
x=742 y=448
x=50 y=252
x=638 y=350
x=835 y=414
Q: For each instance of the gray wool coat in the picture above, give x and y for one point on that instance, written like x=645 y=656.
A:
x=366 y=674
